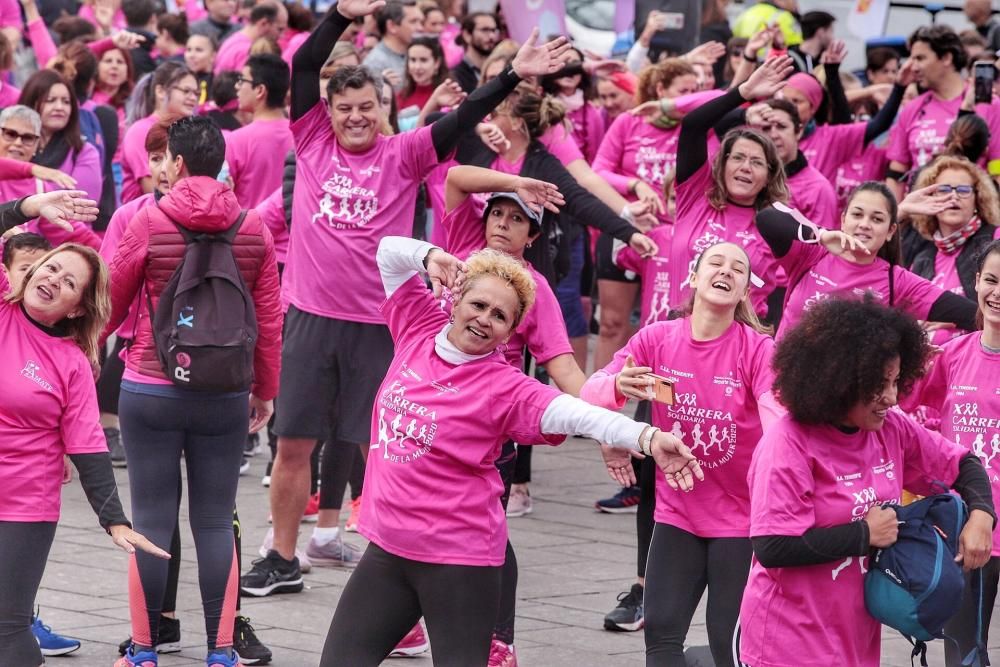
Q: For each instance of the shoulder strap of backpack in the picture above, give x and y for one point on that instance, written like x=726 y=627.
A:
x=227 y=235
x=230 y=234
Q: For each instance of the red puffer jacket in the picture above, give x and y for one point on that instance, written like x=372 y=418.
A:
x=151 y=249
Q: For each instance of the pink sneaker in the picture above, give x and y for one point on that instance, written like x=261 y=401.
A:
x=414 y=643
x=351 y=525
x=311 y=514
x=502 y=655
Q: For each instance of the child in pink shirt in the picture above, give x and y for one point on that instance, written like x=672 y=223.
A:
x=820 y=476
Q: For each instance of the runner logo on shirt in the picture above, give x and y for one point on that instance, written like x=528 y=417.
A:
x=711 y=434
x=712 y=236
x=345 y=205
x=652 y=165
x=406 y=428
x=30 y=371
x=965 y=420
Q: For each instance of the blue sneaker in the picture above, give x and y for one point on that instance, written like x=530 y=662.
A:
x=625 y=501
x=220 y=659
x=140 y=659
x=51 y=643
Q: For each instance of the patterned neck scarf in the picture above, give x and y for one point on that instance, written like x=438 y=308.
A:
x=951 y=243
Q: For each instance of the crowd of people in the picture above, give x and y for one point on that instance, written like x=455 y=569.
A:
x=380 y=239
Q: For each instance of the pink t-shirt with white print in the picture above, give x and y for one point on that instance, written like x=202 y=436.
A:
x=810 y=192
x=830 y=146
x=233 y=53
x=808 y=476
x=256 y=173
x=815 y=275
x=634 y=148
x=964 y=386
x=135 y=159
x=437 y=429
x=699 y=226
x=653 y=272
x=49 y=409
x=921 y=128
x=343 y=204
x=542 y=329
x=716 y=384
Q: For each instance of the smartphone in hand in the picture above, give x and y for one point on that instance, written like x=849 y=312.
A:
x=984 y=74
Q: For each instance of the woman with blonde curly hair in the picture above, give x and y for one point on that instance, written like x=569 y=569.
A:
x=953 y=237
x=448 y=402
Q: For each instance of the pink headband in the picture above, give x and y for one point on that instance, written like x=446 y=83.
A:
x=625 y=80
x=808 y=86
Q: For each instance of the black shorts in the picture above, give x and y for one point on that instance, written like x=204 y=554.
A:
x=605 y=267
x=330 y=372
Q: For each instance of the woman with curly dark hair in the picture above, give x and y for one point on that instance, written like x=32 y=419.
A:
x=718 y=200
x=861 y=258
x=719 y=359
x=821 y=474
x=961 y=386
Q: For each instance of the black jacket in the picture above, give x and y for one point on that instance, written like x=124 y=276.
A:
x=465 y=75
x=925 y=253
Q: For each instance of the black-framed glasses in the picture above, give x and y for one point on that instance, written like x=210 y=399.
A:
x=26 y=138
x=243 y=80
x=962 y=191
x=187 y=92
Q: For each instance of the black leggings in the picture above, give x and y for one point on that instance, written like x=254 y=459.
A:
x=210 y=430
x=24 y=550
x=962 y=626
x=340 y=463
x=387 y=595
x=645 y=475
x=109 y=383
x=680 y=566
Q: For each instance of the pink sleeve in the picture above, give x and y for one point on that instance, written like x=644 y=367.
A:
x=547 y=339
x=627 y=258
x=127 y=269
x=930 y=460
x=412 y=313
x=799 y=259
x=559 y=141
x=609 y=156
x=267 y=305
x=272 y=213
x=113 y=234
x=41 y=42
x=417 y=153
x=761 y=373
x=897 y=149
x=81 y=234
x=517 y=405
x=781 y=486
x=87 y=171
x=599 y=390
x=80 y=426
x=916 y=294
x=688 y=103
x=14 y=169
x=101 y=46
x=932 y=388
x=10 y=14
x=463 y=230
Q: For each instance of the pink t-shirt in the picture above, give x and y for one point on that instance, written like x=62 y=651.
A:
x=542 y=329
x=8 y=95
x=946 y=279
x=233 y=53
x=964 y=385
x=804 y=477
x=293 y=44
x=717 y=385
x=272 y=213
x=869 y=166
x=830 y=146
x=588 y=128
x=654 y=273
x=921 y=128
x=437 y=429
x=815 y=275
x=100 y=98
x=699 y=226
x=344 y=203
x=15 y=188
x=49 y=408
x=633 y=148
x=135 y=159
x=810 y=192
x=257 y=173
x=10 y=14
x=118 y=21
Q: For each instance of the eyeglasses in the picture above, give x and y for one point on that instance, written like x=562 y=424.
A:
x=27 y=138
x=962 y=191
x=243 y=80
x=187 y=92
x=741 y=158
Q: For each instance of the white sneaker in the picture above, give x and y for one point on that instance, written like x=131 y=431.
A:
x=334 y=552
x=305 y=565
x=519 y=502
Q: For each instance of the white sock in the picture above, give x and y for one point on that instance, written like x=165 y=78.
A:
x=325 y=535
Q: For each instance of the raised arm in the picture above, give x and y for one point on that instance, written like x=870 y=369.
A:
x=464 y=180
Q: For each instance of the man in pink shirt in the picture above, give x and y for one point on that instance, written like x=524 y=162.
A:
x=353 y=186
x=267 y=19
x=261 y=90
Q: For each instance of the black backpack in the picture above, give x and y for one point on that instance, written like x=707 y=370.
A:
x=205 y=326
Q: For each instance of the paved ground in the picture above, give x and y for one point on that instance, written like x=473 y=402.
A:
x=574 y=562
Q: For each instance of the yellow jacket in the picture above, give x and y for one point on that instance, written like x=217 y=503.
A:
x=753 y=19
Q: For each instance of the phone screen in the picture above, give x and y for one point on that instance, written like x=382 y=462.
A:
x=985 y=73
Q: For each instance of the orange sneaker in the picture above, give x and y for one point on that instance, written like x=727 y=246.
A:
x=351 y=525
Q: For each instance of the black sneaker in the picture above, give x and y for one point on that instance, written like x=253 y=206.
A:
x=114 y=438
x=252 y=445
x=169 y=640
x=246 y=644
x=272 y=574
x=627 y=616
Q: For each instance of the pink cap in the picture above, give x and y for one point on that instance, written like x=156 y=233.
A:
x=808 y=86
x=624 y=80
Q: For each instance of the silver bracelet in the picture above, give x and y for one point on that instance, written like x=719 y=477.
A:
x=646 y=441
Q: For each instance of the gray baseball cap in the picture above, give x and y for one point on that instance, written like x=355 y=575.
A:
x=534 y=216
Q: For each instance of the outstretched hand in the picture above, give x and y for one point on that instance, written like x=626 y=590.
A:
x=61 y=207
x=674 y=458
x=539 y=194
x=352 y=9
x=618 y=461
x=534 y=60
x=767 y=79
x=129 y=541
x=835 y=53
x=444 y=270
x=927 y=201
